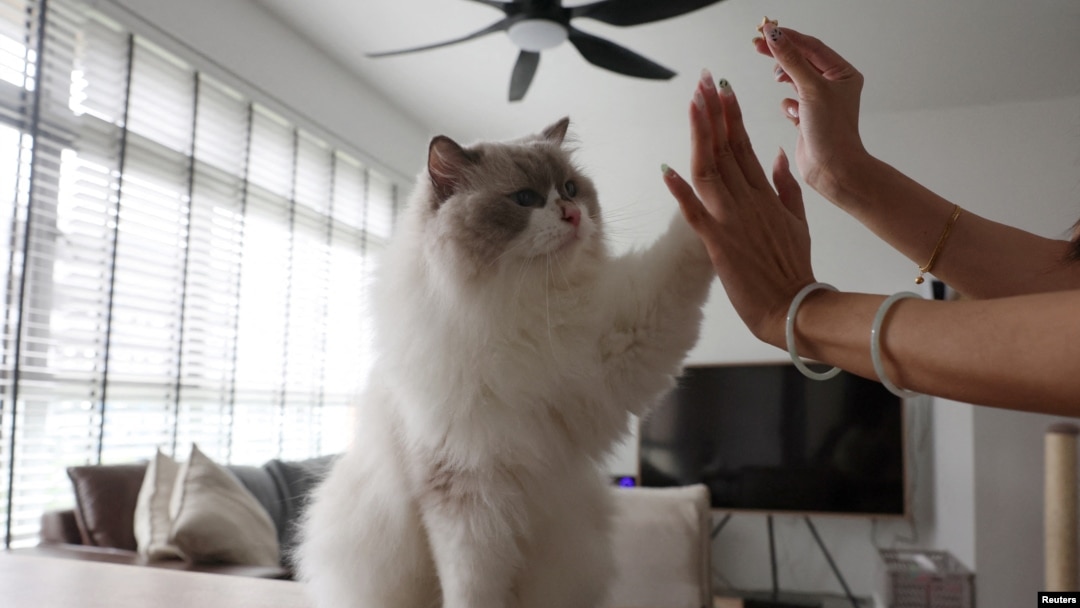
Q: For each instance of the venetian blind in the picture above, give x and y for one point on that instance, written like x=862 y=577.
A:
x=183 y=264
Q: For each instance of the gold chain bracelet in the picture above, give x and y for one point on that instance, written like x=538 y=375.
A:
x=940 y=245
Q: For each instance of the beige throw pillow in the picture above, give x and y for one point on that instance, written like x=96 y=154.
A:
x=152 y=520
x=216 y=519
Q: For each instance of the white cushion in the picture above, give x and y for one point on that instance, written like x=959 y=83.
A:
x=152 y=520
x=662 y=544
x=216 y=519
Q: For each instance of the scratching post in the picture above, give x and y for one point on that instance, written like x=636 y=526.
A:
x=1062 y=567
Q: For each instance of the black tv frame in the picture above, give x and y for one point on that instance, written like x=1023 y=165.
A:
x=905 y=513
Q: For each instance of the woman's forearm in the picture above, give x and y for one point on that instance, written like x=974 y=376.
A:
x=980 y=258
x=990 y=352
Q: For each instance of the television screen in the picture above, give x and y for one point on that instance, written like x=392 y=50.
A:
x=766 y=438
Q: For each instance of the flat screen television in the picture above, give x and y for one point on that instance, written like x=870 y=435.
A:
x=763 y=437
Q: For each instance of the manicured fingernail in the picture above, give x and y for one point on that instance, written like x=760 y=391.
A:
x=707 y=79
x=772 y=32
x=699 y=99
x=725 y=87
x=793 y=111
x=779 y=73
x=665 y=169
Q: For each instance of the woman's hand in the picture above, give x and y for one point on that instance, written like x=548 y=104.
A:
x=757 y=237
x=826 y=113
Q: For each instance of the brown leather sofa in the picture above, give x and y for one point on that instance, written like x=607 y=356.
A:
x=101 y=525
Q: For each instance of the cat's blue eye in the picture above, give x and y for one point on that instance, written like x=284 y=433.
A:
x=528 y=198
x=571 y=188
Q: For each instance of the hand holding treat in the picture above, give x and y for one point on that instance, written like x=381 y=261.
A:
x=764 y=21
x=826 y=109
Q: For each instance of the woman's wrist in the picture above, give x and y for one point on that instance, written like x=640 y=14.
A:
x=830 y=326
x=774 y=328
x=849 y=183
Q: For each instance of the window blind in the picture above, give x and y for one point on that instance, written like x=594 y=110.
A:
x=183 y=264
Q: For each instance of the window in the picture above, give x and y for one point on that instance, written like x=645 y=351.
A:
x=181 y=263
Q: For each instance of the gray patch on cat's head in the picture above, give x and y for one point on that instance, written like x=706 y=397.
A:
x=470 y=209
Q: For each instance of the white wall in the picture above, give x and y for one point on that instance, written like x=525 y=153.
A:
x=1008 y=518
x=979 y=486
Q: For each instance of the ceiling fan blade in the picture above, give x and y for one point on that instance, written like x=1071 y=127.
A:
x=524 y=70
x=497 y=4
x=608 y=55
x=498 y=26
x=636 y=12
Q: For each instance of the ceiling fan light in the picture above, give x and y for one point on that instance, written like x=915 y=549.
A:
x=537 y=34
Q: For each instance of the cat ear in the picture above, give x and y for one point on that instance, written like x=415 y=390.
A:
x=446 y=163
x=556 y=133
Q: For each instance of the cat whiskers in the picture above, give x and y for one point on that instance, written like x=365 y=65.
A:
x=522 y=271
x=522 y=268
x=547 y=306
x=629 y=224
x=504 y=254
x=562 y=272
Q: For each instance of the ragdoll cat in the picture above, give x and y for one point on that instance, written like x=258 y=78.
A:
x=511 y=347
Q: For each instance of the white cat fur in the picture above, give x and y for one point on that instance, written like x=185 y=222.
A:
x=474 y=480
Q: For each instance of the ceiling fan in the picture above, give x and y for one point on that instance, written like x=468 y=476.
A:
x=537 y=25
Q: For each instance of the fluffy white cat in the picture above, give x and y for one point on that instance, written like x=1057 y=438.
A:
x=511 y=347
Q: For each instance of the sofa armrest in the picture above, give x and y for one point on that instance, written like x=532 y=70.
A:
x=60 y=527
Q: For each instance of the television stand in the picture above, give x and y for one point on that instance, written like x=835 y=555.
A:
x=774 y=601
x=750 y=602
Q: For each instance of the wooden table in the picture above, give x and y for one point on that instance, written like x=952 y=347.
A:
x=30 y=581
x=45 y=582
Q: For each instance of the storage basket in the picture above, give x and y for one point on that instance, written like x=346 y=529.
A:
x=927 y=579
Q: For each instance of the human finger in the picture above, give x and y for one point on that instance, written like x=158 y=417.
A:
x=695 y=212
x=761 y=46
x=790 y=57
x=738 y=138
x=806 y=59
x=702 y=153
x=820 y=55
x=787 y=187
x=780 y=75
x=715 y=113
x=823 y=58
x=791 y=110
x=717 y=165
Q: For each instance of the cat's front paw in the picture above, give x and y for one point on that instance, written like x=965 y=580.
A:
x=684 y=238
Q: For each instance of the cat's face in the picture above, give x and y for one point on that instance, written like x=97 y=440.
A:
x=504 y=205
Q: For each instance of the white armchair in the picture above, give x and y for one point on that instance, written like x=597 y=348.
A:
x=662 y=548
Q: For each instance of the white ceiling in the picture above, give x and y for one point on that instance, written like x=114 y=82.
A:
x=916 y=54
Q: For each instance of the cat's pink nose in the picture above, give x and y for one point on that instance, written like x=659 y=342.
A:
x=572 y=215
